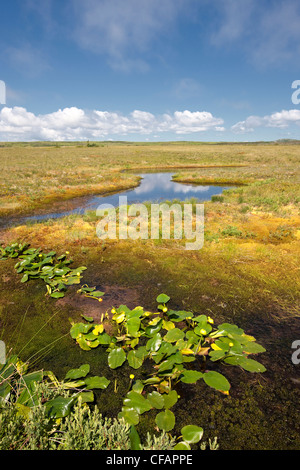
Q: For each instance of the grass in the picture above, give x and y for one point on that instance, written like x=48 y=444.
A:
x=247 y=272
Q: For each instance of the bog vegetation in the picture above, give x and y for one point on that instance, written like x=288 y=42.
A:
x=161 y=370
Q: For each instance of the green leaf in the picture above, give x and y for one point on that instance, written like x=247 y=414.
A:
x=253 y=348
x=133 y=326
x=86 y=397
x=182 y=446
x=162 y=299
x=174 y=335
x=116 y=358
x=97 y=382
x=57 y=295
x=104 y=338
x=135 y=359
x=154 y=343
x=192 y=433
x=170 y=399
x=156 y=400
x=190 y=376
x=59 y=407
x=216 y=380
x=137 y=401
x=165 y=420
x=88 y=319
x=135 y=442
x=82 y=371
x=78 y=328
x=153 y=329
x=130 y=415
x=83 y=344
x=25 y=278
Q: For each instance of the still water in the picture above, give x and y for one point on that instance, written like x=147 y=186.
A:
x=153 y=188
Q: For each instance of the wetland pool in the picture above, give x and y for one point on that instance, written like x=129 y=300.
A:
x=154 y=187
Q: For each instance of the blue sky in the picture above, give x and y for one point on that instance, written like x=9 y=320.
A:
x=150 y=70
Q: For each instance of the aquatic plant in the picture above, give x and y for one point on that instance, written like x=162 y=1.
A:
x=171 y=340
x=54 y=270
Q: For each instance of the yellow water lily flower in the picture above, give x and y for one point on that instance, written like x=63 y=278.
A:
x=131 y=376
x=98 y=330
x=203 y=331
x=210 y=320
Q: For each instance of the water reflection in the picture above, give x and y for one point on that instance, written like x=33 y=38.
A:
x=159 y=187
x=154 y=187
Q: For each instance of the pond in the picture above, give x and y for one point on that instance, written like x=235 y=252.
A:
x=154 y=188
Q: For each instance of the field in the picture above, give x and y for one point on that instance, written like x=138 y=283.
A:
x=247 y=272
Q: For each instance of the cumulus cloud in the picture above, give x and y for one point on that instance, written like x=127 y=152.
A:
x=281 y=120
x=76 y=124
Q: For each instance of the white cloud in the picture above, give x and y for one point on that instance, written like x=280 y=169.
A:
x=267 y=34
x=281 y=120
x=122 y=30
x=76 y=124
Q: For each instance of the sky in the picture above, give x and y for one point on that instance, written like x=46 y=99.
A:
x=150 y=70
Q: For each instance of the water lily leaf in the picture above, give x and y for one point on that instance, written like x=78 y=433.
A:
x=162 y=299
x=182 y=446
x=97 y=382
x=250 y=365
x=192 y=434
x=116 y=358
x=104 y=338
x=57 y=295
x=137 y=401
x=82 y=371
x=216 y=355
x=165 y=420
x=170 y=399
x=135 y=359
x=156 y=400
x=86 y=397
x=130 y=415
x=153 y=329
x=174 y=335
x=88 y=319
x=253 y=348
x=216 y=380
x=83 y=343
x=119 y=317
x=190 y=376
x=25 y=278
x=154 y=343
x=133 y=326
x=78 y=328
